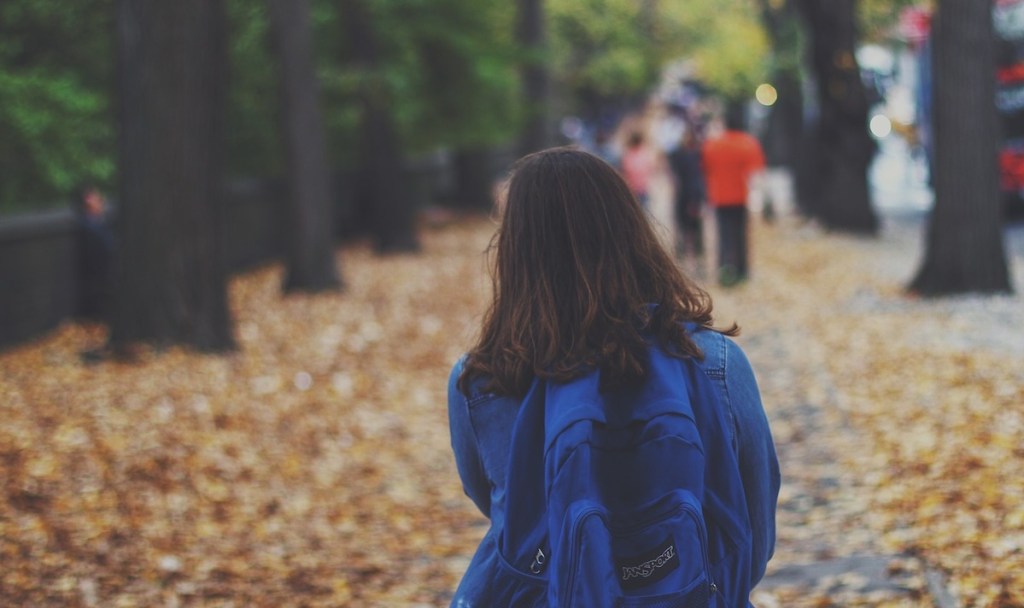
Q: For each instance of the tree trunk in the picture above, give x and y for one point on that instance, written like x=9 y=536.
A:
x=172 y=276
x=536 y=85
x=965 y=241
x=309 y=260
x=841 y=147
x=392 y=212
x=785 y=120
x=473 y=179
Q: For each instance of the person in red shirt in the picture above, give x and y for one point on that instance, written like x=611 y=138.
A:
x=730 y=162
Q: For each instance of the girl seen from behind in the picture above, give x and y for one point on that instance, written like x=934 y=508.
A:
x=581 y=284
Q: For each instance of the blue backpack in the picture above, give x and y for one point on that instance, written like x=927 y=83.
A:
x=630 y=498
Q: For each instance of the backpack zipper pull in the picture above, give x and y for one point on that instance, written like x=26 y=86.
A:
x=538 y=562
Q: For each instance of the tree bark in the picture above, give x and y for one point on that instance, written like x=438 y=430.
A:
x=965 y=251
x=473 y=179
x=835 y=188
x=785 y=120
x=536 y=81
x=309 y=260
x=172 y=276
x=392 y=213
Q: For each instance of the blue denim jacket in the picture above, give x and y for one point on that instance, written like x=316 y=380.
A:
x=481 y=427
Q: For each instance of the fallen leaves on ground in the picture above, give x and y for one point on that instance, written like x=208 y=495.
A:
x=900 y=421
x=312 y=467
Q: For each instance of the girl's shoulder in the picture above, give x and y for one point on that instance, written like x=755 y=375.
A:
x=720 y=352
x=475 y=386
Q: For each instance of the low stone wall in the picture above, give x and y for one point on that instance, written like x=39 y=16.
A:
x=38 y=279
x=39 y=283
x=39 y=259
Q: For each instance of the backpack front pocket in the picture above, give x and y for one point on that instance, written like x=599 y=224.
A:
x=655 y=556
x=663 y=549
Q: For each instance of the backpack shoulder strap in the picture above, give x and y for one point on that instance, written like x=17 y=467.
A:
x=523 y=532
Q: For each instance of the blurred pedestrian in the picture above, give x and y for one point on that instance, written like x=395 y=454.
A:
x=669 y=129
x=584 y=288
x=685 y=162
x=95 y=252
x=604 y=147
x=731 y=161
x=638 y=166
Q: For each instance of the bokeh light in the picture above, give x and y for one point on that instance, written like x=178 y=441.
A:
x=766 y=95
x=880 y=126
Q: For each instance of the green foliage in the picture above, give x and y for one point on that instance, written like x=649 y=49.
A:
x=339 y=80
x=59 y=136
x=616 y=48
x=452 y=68
x=253 y=140
x=603 y=48
x=726 y=40
x=732 y=60
x=448 y=71
x=878 y=18
x=56 y=77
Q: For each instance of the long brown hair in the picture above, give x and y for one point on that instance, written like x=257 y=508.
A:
x=579 y=280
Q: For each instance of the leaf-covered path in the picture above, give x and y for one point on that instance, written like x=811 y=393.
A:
x=312 y=467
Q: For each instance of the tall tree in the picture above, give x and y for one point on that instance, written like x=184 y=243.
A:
x=172 y=279
x=309 y=258
x=784 y=130
x=390 y=204
x=474 y=178
x=836 y=189
x=965 y=243
x=530 y=32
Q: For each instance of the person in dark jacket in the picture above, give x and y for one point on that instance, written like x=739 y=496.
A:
x=685 y=162
x=95 y=252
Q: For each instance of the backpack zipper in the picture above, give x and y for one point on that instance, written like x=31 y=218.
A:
x=538 y=561
x=574 y=540
x=698 y=518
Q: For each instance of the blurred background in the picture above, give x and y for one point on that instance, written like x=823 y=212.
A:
x=336 y=119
